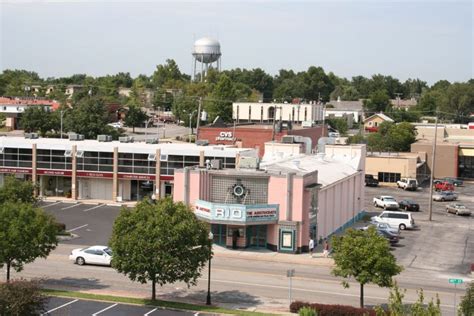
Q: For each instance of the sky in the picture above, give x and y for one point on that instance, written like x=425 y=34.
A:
x=430 y=40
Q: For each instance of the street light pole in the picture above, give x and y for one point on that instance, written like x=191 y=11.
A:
x=433 y=159
x=208 y=298
x=62 y=114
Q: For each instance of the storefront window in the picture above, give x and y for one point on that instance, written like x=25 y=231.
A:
x=388 y=177
x=56 y=186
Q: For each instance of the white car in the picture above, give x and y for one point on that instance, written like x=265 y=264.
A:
x=93 y=255
x=116 y=125
x=402 y=220
x=385 y=202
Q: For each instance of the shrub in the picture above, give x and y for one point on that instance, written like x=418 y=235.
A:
x=21 y=297
x=307 y=311
x=331 y=310
x=61 y=227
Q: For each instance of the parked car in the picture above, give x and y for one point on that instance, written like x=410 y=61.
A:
x=333 y=134
x=401 y=220
x=385 y=202
x=392 y=238
x=458 y=209
x=370 y=181
x=93 y=255
x=116 y=125
x=382 y=226
x=456 y=182
x=407 y=184
x=444 y=186
x=445 y=196
x=409 y=205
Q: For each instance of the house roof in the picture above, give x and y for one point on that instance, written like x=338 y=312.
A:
x=346 y=105
x=381 y=115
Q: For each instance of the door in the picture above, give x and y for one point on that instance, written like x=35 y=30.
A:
x=219 y=232
x=257 y=236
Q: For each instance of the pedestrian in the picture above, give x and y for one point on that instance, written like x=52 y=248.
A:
x=326 y=248
x=311 y=246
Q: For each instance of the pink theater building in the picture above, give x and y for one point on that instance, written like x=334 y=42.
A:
x=280 y=202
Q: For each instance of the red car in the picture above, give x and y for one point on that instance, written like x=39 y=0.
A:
x=444 y=186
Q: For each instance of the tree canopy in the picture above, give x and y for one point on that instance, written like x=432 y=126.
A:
x=162 y=243
x=17 y=191
x=364 y=256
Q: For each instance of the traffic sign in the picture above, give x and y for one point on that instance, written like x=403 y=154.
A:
x=455 y=281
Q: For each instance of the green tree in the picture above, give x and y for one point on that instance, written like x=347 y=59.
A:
x=183 y=106
x=88 y=117
x=378 y=101
x=36 y=118
x=401 y=136
x=466 y=307
x=220 y=103
x=17 y=191
x=458 y=103
x=26 y=233
x=135 y=117
x=162 y=243
x=340 y=124
x=21 y=297
x=169 y=72
x=365 y=256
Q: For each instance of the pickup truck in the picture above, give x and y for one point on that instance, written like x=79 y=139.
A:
x=385 y=202
x=370 y=181
x=407 y=184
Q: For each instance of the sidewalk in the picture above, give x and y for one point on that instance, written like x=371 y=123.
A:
x=63 y=199
x=268 y=255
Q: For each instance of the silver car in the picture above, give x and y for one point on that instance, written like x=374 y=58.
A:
x=445 y=196
x=458 y=209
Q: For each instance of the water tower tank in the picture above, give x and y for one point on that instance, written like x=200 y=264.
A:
x=207 y=50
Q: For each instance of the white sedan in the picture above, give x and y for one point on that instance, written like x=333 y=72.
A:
x=93 y=255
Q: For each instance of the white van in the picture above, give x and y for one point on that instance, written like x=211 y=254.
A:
x=402 y=220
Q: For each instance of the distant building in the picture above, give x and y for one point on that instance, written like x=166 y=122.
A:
x=14 y=107
x=403 y=104
x=372 y=123
x=338 y=108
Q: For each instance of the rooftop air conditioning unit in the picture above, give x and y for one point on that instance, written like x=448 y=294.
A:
x=76 y=137
x=287 y=139
x=126 y=139
x=31 y=135
x=151 y=141
x=202 y=142
x=248 y=163
x=104 y=138
x=216 y=164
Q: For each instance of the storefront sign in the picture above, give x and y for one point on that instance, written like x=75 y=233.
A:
x=132 y=176
x=49 y=172
x=225 y=136
x=15 y=170
x=236 y=212
x=86 y=174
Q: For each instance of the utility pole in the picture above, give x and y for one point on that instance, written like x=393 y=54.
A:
x=198 y=119
x=433 y=160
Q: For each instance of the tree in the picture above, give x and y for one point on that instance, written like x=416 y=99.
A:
x=221 y=100
x=169 y=72
x=36 y=118
x=365 y=256
x=88 y=117
x=17 y=191
x=458 y=102
x=466 y=307
x=392 y=137
x=162 y=243
x=340 y=124
x=22 y=297
x=378 y=101
x=135 y=117
x=26 y=233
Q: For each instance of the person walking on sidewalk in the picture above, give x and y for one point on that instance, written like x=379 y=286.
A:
x=326 y=248
x=311 y=246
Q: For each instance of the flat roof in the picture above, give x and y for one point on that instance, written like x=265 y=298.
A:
x=185 y=149
x=258 y=126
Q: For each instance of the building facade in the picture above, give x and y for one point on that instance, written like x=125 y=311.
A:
x=388 y=168
x=13 y=108
x=110 y=171
x=281 y=203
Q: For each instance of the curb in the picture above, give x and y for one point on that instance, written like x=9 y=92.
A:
x=277 y=259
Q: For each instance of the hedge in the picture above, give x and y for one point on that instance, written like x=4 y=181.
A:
x=332 y=310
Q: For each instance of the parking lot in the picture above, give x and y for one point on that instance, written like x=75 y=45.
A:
x=445 y=244
x=72 y=307
x=89 y=224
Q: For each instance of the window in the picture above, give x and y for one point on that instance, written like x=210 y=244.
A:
x=388 y=177
x=163 y=157
x=152 y=157
x=80 y=154
x=68 y=153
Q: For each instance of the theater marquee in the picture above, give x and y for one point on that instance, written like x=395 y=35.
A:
x=223 y=213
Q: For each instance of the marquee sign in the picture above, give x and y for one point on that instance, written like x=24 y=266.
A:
x=15 y=170
x=221 y=212
x=225 y=136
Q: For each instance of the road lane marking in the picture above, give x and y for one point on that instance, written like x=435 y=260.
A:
x=150 y=312
x=93 y=208
x=64 y=305
x=71 y=206
x=107 y=308
x=76 y=228
x=55 y=203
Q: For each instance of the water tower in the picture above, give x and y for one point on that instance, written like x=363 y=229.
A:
x=206 y=52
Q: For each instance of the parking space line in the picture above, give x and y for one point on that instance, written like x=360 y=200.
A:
x=107 y=308
x=55 y=203
x=71 y=206
x=150 y=312
x=56 y=308
x=76 y=228
x=93 y=208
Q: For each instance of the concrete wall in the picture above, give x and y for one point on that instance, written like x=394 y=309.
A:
x=260 y=112
x=446 y=158
x=406 y=166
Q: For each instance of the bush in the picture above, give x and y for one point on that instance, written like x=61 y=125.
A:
x=60 y=227
x=307 y=311
x=331 y=310
x=21 y=297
